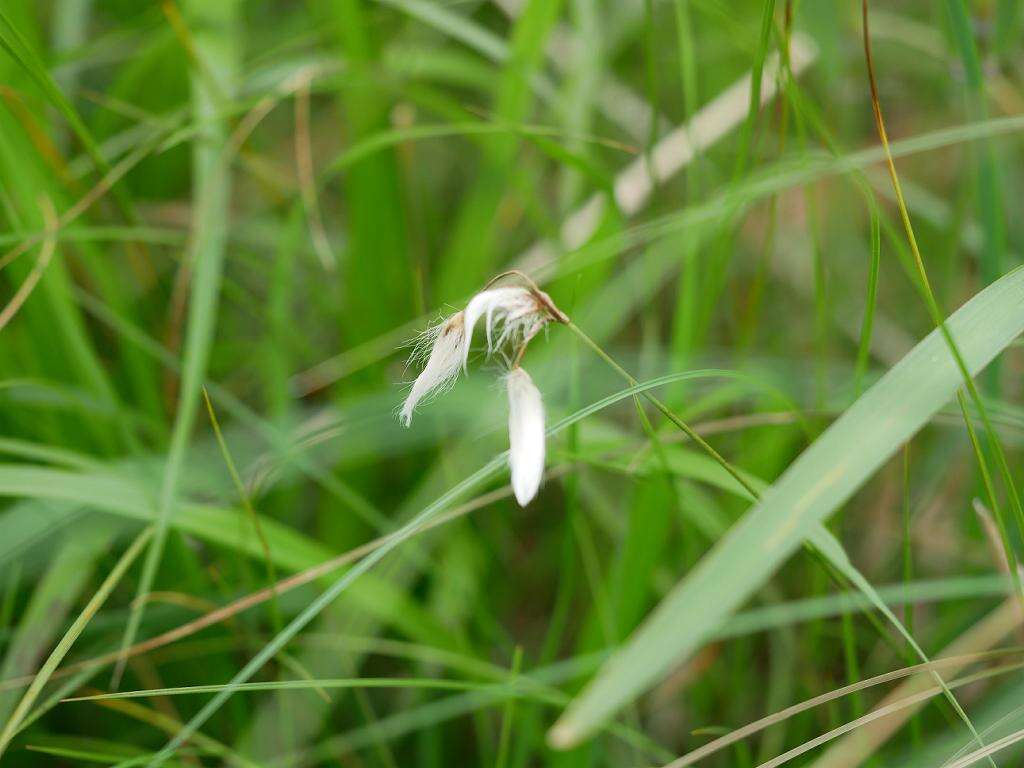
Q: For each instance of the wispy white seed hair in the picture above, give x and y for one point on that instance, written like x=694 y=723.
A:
x=525 y=435
x=442 y=345
x=510 y=314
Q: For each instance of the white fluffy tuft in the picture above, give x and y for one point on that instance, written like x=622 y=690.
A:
x=444 y=360
x=511 y=314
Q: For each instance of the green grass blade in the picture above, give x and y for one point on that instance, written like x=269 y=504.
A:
x=507 y=716
x=473 y=246
x=989 y=185
x=437 y=15
x=58 y=653
x=42 y=619
x=243 y=496
x=756 y=72
x=870 y=301
x=376 y=271
x=296 y=685
x=1007 y=25
x=16 y=46
x=110 y=493
x=832 y=549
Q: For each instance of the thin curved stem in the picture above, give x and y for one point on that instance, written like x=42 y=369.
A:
x=667 y=412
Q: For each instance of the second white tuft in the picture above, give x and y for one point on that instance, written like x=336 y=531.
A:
x=525 y=435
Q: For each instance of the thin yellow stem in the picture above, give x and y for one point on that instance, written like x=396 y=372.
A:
x=926 y=289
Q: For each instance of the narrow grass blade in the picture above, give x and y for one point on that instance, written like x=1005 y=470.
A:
x=376 y=267
x=275 y=610
x=751 y=728
x=989 y=184
x=831 y=548
x=16 y=46
x=58 y=653
x=295 y=685
x=756 y=73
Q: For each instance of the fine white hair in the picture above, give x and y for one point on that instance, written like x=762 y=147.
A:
x=442 y=345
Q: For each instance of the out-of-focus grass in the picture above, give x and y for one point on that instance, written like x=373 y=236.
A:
x=266 y=199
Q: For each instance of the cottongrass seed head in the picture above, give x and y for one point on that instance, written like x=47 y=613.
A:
x=525 y=435
x=512 y=316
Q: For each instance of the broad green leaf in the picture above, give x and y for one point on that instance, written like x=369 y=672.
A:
x=112 y=493
x=820 y=480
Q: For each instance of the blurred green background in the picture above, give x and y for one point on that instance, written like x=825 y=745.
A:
x=267 y=200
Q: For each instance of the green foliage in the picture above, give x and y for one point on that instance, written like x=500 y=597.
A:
x=263 y=201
